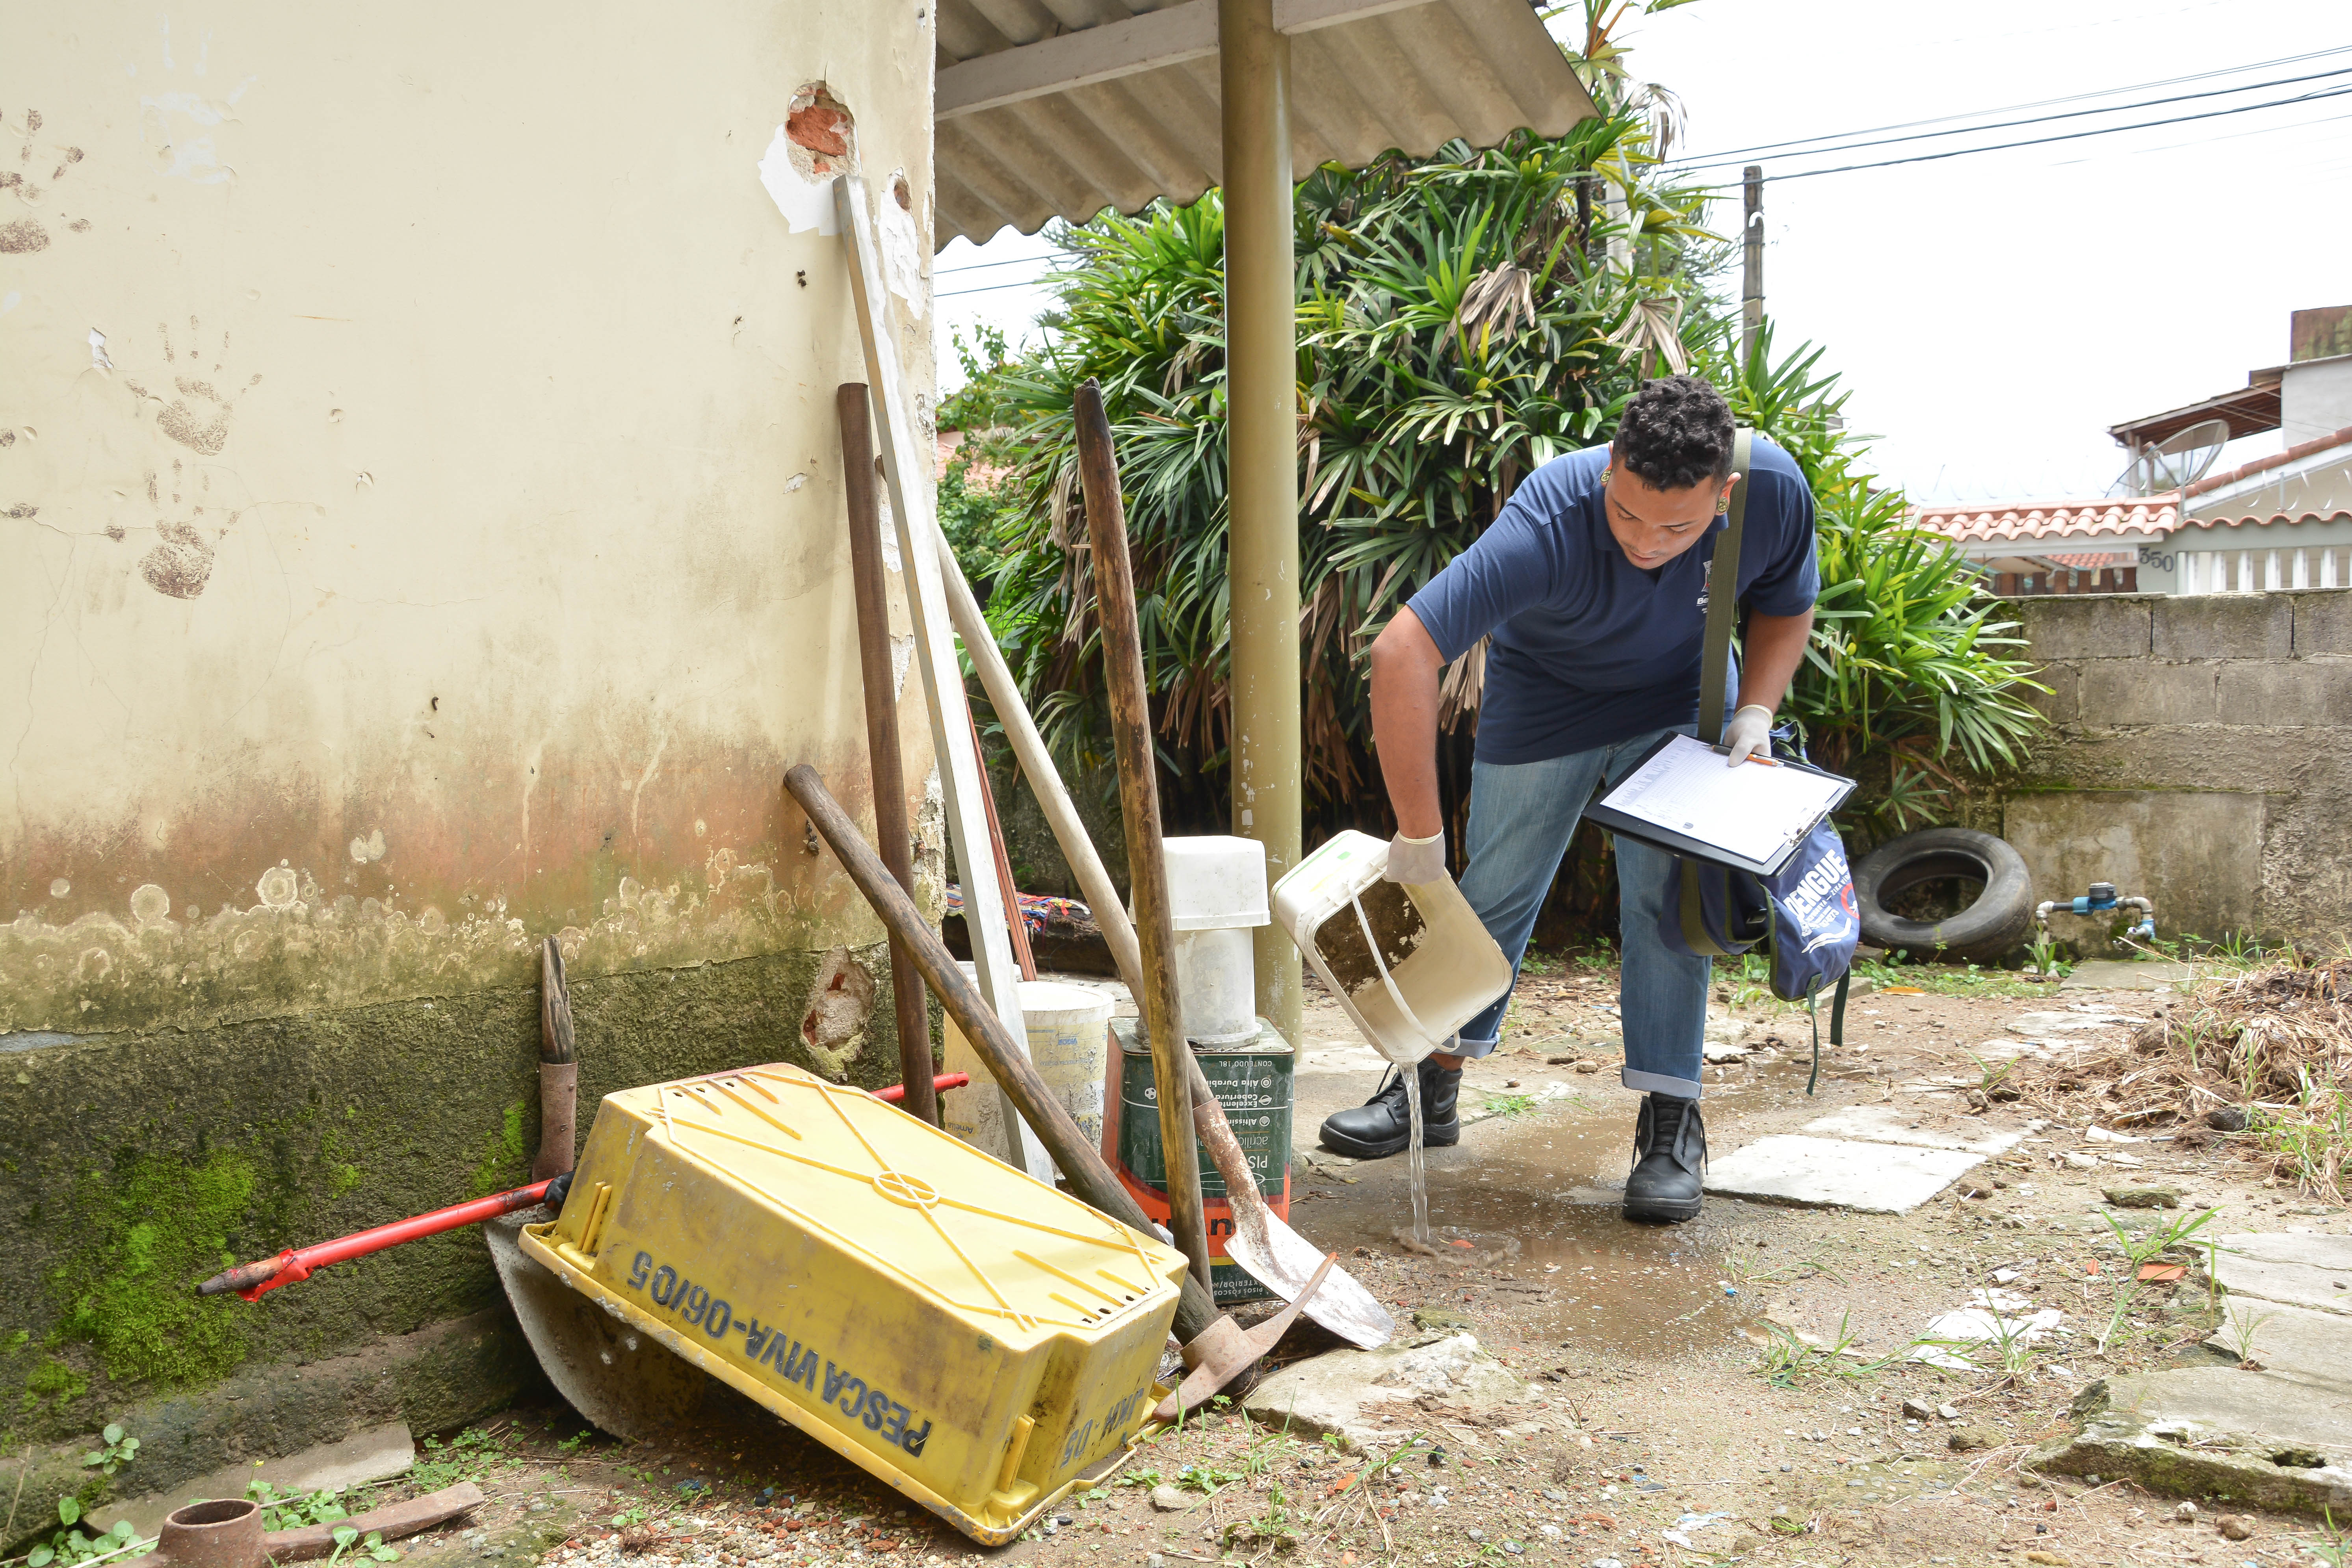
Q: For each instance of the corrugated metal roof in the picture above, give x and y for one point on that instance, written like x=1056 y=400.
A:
x=1411 y=78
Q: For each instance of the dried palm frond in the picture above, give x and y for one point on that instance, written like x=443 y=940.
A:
x=1498 y=306
x=1654 y=328
x=2274 y=1043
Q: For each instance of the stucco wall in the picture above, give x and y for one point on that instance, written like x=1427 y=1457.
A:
x=2199 y=759
x=420 y=532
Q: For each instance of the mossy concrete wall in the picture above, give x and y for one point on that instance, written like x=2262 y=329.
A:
x=137 y=1164
x=421 y=533
x=2198 y=760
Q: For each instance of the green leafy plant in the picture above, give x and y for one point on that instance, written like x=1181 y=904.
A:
x=371 y=1545
x=119 y=1449
x=467 y=1456
x=292 y=1510
x=75 y=1541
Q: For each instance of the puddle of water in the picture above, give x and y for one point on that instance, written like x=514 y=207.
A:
x=1580 y=1273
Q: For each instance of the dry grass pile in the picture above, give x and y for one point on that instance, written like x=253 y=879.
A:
x=2262 y=1059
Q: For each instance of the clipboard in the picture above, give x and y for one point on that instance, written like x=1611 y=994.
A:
x=1761 y=858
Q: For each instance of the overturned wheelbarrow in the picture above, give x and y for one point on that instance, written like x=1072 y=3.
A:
x=975 y=1339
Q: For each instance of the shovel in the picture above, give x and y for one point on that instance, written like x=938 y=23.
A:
x=1265 y=1248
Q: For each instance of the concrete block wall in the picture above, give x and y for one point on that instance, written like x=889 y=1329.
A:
x=2199 y=758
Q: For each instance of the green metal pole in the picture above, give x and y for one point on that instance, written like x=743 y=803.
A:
x=1262 y=456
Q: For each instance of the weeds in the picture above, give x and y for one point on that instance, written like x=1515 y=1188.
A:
x=2164 y=1238
x=1789 y=1356
x=2046 y=961
x=467 y=1456
x=371 y=1546
x=292 y=1510
x=69 y=1544
x=2240 y=1326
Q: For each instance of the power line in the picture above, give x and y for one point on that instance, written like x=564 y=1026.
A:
x=2063 y=136
x=985 y=266
x=988 y=289
x=2037 y=120
x=2020 y=107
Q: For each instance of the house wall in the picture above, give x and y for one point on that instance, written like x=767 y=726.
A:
x=2198 y=758
x=420 y=532
x=2314 y=399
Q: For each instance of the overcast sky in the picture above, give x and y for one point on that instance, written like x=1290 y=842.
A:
x=1992 y=313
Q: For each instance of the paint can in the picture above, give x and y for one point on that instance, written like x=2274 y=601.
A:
x=1069 y=1032
x=1252 y=1079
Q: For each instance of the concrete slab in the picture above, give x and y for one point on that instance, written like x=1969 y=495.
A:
x=2292 y=1270
x=373 y=1455
x=2062 y=1026
x=2000 y=1050
x=2122 y=974
x=2290 y=1342
x=1891 y=1125
x=1825 y=1173
x=2247 y=1437
x=1346 y=1392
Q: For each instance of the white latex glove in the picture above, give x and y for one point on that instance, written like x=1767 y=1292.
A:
x=1749 y=734
x=1417 y=861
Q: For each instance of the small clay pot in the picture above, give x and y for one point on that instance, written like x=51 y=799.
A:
x=223 y=1534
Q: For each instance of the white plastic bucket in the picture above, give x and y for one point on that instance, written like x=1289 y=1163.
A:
x=1216 y=985
x=1216 y=893
x=1411 y=1004
x=1069 y=1042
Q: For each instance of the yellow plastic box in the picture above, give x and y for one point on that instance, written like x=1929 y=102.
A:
x=976 y=1338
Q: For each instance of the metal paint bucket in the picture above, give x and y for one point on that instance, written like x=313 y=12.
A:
x=1253 y=1081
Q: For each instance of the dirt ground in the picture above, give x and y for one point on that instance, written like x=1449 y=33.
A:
x=1691 y=1419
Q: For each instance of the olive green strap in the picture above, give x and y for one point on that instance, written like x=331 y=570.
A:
x=1693 y=912
x=1723 y=598
x=1722 y=606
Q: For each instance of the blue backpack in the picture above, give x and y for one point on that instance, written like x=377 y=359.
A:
x=1803 y=915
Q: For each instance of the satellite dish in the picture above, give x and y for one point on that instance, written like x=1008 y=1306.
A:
x=2182 y=460
x=2176 y=461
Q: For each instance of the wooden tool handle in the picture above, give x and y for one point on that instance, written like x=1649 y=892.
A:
x=1139 y=799
x=1078 y=1160
x=891 y=829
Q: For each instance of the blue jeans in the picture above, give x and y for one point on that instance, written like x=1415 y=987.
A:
x=1522 y=816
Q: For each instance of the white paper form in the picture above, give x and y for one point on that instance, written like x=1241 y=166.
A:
x=1750 y=810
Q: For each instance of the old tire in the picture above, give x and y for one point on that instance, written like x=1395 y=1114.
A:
x=1994 y=925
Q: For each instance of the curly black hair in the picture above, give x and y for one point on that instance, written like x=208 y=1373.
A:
x=1676 y=433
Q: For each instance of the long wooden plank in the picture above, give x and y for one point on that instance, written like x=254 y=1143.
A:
x=912 y=512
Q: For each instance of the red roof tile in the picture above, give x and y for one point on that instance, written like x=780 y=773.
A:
x=2054 y=520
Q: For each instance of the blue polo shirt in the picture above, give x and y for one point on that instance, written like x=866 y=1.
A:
x=1588 y=649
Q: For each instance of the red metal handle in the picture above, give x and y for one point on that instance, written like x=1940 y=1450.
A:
x=252 y=1281
x=898 y=1091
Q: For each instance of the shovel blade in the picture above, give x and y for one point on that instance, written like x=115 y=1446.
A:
x=1284 y=1261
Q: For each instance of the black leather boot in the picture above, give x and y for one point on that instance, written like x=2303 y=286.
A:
x=1382 y=1125
x=1669 y=1160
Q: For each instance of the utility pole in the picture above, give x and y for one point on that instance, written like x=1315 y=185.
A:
x=1751 y=291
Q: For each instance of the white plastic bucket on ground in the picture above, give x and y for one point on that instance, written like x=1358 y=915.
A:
x=1070 y=1042
x=1439 y=970
x=1216 y=893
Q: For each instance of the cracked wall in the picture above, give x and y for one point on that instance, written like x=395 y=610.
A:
x=421 y=532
